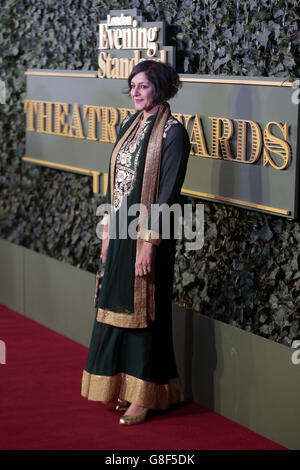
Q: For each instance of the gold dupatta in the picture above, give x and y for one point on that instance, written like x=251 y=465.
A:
x=144 y=289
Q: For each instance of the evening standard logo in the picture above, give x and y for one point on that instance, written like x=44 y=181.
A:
x=124 y=40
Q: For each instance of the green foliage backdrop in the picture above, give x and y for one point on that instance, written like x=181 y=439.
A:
x=247 y=273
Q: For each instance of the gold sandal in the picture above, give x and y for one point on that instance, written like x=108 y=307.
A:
x=122 y=405
x=130 y=420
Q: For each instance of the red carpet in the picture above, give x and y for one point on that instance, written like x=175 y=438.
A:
x=41 y=407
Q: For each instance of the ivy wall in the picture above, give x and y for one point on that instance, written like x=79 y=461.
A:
x=247 y=274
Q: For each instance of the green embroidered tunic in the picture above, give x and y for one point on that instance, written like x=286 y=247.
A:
x=117 y=293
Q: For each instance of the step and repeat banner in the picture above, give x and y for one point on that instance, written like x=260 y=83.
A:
x=243 y=130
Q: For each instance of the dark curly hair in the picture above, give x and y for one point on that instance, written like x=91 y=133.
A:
x=165 y=79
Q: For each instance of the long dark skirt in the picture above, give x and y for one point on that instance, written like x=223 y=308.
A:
x=137 y=365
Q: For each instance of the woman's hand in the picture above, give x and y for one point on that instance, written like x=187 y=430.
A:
x=105 y=243
x=145 y=262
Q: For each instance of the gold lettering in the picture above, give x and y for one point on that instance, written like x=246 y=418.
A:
x=102 y=64
x=41 y=117
x=222 y=131
x=61 y=110
x=31 y=108
x=276 y=145
x=44 y=125
x=277 y=151
x=94 y=114
x=75 y=129
x=49 y=119
x=197 y=134
x=256 y=141
x=109 y=121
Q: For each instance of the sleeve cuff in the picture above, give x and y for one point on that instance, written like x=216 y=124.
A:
x=152 y=237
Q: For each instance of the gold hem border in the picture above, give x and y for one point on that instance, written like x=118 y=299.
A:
x=122 y=320
x=150 y=395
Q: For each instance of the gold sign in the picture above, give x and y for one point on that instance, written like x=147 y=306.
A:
x=245 y=136
x=244 y=131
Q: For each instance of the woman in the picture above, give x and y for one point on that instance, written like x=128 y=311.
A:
x=131 y=360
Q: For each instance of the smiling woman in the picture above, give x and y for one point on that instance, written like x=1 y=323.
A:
x=142 y=93
x=165 y=82
x=132 y=362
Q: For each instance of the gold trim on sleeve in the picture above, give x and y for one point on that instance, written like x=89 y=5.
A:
x=152 y=237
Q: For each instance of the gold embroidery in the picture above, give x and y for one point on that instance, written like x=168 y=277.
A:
x=126 y=166
x=129 y=388
x=116 y=150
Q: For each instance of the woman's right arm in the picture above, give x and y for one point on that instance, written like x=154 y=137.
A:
x=105 y=242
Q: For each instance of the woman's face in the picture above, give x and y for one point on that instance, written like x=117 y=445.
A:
x=142 y=92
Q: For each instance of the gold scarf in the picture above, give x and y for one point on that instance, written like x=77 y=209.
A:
x=144 y=304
